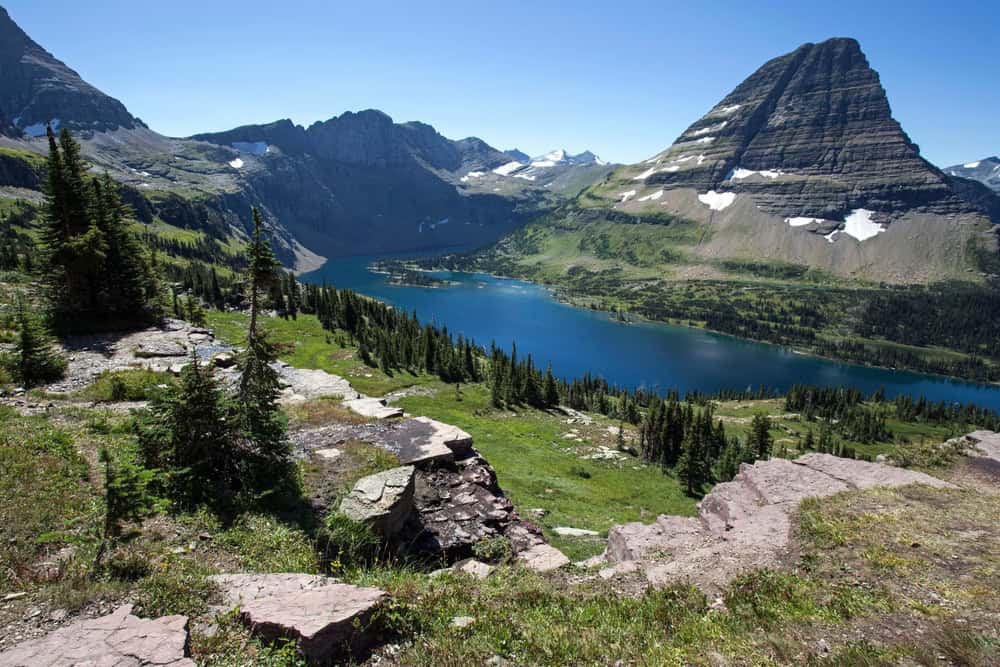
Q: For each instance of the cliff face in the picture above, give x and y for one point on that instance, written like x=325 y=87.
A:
x=810 y=133
x=36 y=88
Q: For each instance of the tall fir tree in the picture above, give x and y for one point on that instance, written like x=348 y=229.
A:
x=262 y=423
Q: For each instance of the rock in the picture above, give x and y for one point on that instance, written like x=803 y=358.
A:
x=538 y=512
x=116 y=639
x=473 y=568
x=373 y=407
x=312 y=383
x=383 y=500
x=329 y=453
x=985 y=444
x=574 y=532
x=224 y=360
x=822 y=646
x=542 y=558
x=745 y=523
x=160 y=348
x=864 y=475
x=10 y=597
x=462 y=621
x=320 y=614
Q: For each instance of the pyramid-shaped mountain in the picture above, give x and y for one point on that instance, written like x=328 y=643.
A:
x=810 y=133
x=803 y=163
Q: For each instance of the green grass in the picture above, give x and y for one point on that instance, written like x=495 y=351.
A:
x=538 y=468
x=138 y=384
x=307 y=345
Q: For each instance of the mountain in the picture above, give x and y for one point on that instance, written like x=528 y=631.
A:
x=986 y=171
x=803 y=163
x=557 y=171
x=357 y=183
x=36 y=88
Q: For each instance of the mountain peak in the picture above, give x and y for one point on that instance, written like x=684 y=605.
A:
x=36 y=88
x=561 y=156
x=810 y=133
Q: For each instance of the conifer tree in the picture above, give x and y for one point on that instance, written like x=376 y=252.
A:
x=759 y=441
x=692 y=467
x=126 y=497
x=189 y=432
x=551 y=392
x=262 y=423
x=34 y=360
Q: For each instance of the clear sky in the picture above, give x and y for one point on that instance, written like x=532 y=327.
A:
x=620 y=78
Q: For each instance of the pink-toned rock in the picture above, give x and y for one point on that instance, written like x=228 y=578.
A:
x=864 y=475
x=542 y=558
x=985 y=444
x=323 y=616
x=743 y=524
x=119 y=639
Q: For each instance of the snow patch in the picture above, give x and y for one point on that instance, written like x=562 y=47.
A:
x=508 y=169
x=653 y=197
x=705 y=140
x=971 y=165
x=626 y=195
x=671 y=169
x=644 y=175
x=684 y=158
x=801 y=222
x=236 y=164
x=730 y=109
x=717 y=201
x=526 y=177
x=740 y=173
x=701 y=158
x=860 y=225
x=543 y=163
x=472 y=174
x=708 y=130
x=251 y=147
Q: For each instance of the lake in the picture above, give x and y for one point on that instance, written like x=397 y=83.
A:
x=576 y=340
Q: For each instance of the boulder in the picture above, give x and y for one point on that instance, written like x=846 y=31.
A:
x=542 y=558
x=373 y=407
x=422 y=440
x=382 y=501
x=566 y=531
x=313 y=383
x=985 y=444
x=116 y=639
x=324 y=617
x=474 y=568
x=864 y=475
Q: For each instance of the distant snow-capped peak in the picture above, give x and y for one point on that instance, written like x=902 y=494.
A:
x=562 y=157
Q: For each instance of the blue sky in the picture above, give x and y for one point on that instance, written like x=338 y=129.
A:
x=620 y=78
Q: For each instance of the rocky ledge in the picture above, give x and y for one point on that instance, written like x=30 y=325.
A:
x=743 y=524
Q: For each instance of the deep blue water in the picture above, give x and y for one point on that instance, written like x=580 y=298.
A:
x=577 y=340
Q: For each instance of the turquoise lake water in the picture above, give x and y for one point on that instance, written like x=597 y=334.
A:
x=577 y=340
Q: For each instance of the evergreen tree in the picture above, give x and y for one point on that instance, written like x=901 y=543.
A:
x=692 y=467
x=126 y=497
x=188 y=430
x=760 y=441
x=262 y=423
x=551 y=391
x=34 y=360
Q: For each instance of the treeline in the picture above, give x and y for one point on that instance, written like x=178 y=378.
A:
x=972 y=368
x=959 y=317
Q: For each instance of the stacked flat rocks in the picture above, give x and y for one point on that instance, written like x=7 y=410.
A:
x=742 y=524
x=442 y=501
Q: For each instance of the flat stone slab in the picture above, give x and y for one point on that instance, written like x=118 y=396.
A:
x=383 y=500
x=424 y=440
x=160 y=348
x=474 y=568
x=865 y=475
x=450 y=436
x=542 y=558
x=745 y=523
x=324 y=617
x=309 y=383
x=116 y=640
x=373 y=407
x=238 y=589
x=985 y=443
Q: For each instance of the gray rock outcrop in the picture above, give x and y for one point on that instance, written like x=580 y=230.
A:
x=324 y=617
x=116 y=639
x=382 y=501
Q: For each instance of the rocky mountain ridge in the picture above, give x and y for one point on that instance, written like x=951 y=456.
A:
x=986 y=171
x=803 y=163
